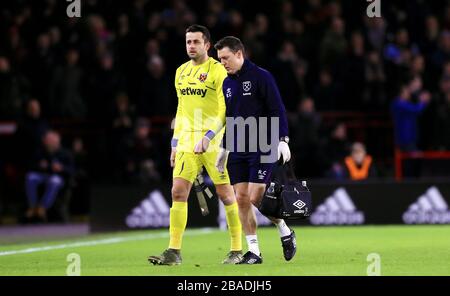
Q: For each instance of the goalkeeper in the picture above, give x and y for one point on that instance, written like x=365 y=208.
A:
x=195 y=143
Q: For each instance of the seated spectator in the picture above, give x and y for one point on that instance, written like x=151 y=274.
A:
x=359 y=165
x=52 y=168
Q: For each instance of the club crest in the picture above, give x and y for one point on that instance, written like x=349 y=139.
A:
x=246 y=85
x=203 y=77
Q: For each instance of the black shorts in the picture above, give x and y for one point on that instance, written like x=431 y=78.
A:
x=247 y=167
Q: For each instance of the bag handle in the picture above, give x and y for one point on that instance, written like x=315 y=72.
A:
x=288 y=173
x=291 y=173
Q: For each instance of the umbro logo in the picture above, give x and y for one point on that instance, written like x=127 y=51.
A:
x=299 y=204
x=251 y=261
x=337 y=209
x=430 y=208
x=153 y=211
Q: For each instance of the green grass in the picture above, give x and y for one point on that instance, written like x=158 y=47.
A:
x=404 y=250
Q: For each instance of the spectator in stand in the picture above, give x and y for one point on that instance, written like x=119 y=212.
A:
x=284 y=71
x=441 y=134
x=375 y=32
x=30 y=131
x=327 y=93
x=375 y=94
x=441 y=54
x=352 y=74
x=122 y=122
x=66 y=97
x=305 y=139
x=334 y=44
x=359 y=165
x=13 y=91
x=139 y=156
x=52 y=168
x=429 y=41
x=157 y=96
x=105 y=82
x=336 y=148
x=81 y=178
x=405 y=113
x=122 y=115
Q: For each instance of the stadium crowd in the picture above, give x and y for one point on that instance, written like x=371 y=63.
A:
x=113 y=68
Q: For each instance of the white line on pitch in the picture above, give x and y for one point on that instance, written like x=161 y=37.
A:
x=106 y=241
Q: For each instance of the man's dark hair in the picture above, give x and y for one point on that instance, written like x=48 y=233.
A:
x=202 y=29
x=233 y=43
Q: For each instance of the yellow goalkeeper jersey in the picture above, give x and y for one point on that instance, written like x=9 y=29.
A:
x=201 y=104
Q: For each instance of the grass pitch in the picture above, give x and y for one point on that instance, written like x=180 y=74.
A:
x=404 y=250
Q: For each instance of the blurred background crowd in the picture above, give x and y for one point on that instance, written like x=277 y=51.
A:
x=91 y=99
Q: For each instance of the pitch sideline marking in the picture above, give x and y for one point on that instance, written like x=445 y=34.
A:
x=106 y=241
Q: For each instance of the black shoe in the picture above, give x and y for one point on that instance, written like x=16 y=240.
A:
x=251 y=258
x=168 y=257
x=289 y=246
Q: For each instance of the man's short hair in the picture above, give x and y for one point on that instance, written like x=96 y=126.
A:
x=233 y=43
x=202 y=29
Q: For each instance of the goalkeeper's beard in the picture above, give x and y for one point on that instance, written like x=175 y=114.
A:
x=198 y=58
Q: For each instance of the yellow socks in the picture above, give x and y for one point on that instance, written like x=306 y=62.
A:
x=178 y=220
x=234 y=226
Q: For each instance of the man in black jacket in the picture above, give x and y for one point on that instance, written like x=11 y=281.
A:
x=52 y=167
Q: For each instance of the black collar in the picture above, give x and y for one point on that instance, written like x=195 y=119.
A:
x=245 y=67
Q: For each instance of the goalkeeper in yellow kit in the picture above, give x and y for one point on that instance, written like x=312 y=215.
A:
x=195 y=143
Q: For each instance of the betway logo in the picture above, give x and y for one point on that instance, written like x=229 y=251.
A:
x=153 y=211
x=188 y=91
x=430 y=208
x=337 y=209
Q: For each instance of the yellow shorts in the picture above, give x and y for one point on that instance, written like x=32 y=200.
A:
x=188 y=165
